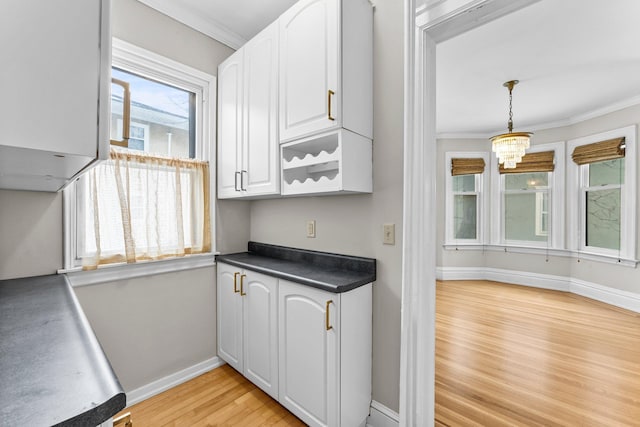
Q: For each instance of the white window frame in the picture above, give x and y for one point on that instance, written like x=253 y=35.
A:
x=556 y=218
x=153 y=66
x=481 y=191
x=540 y=212
x=578 y=176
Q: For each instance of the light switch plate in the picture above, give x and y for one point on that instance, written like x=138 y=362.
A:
x=389 y=234
x=311 y=228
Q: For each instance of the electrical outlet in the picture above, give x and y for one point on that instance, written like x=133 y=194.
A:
x=311 y=228
x=389 y=234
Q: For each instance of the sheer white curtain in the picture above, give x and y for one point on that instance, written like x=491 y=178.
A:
x=146 y=207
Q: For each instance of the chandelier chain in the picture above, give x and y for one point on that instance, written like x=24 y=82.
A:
x=510 y=125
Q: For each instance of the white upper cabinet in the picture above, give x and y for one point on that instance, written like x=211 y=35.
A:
x=55 y=83
x=247 y=119
x=325 y=69
x=230 y=126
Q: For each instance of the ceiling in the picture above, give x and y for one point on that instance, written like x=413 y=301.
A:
x=575 y=59
x=232 y=22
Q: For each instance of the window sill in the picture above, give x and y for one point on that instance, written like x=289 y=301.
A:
x=111 y=273
x=543 y=251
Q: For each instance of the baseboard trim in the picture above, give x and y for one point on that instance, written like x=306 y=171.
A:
x=163 y=384
x=381 y=416
x=595 y=291
x=622 y=299
x=536 y=280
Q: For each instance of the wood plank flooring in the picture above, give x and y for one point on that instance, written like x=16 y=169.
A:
x=510 y=355
x=506 y=355
x=221 y=397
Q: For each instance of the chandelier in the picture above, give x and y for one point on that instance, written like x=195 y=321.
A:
x=510 y=147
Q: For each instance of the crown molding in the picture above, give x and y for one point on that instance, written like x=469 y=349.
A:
x=599 y=112
x=198 y=22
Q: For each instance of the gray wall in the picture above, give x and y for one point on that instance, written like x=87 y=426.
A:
x=606 y=274
x=353 y=224
x=149 y=327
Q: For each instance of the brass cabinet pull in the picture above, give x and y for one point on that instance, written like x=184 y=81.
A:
x=326 y=313
x=126 y=113
x=242 y=293
x=329 y=103
x=235 y=282
x=123 y=419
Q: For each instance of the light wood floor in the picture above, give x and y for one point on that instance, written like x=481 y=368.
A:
x=221 y=397
x=510 y=355
x=505 y=356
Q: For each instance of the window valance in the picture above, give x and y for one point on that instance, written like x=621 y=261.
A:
x=467 y=166
x=533 y=162
x=599 y=151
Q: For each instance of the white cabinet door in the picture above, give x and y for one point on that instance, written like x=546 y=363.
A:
x=309 y=326
x=260 y=170
x=54 y=81
x=230 y=126
x=260 y=325
x=50 y=75
x=229 y=315
x=248 y=155
x=310 y=92
x=247 y=324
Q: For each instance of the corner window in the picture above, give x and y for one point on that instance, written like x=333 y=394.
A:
x=465 y=194
x=603 y=208
x=151 y=199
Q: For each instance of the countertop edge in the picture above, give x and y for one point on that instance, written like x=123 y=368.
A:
x=228 y=259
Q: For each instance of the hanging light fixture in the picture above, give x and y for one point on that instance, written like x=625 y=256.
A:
x=510 y=147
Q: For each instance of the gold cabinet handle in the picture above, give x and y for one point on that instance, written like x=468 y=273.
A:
x=126 y=113
x=331 y=93
x=242 y=293
x=235 y=283
x=123 y=419
x=326 y=319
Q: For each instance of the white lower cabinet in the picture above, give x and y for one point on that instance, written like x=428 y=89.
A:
x=247 y=325
x=325 y=354
x=310 y=349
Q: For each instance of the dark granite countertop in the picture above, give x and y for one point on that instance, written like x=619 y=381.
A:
x=330 y=272
x=52 y=368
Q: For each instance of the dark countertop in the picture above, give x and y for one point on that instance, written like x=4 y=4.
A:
x=330 y=272
x=52 y=368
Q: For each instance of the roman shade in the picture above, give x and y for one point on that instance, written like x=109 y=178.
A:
x=599 y=151
x=467 y=166
x=533 y=162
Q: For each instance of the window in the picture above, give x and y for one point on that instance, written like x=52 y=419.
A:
x=603 y=208
x=602 y=196
x=529 y=199
x=525 y=201
x=465 y=204
x=151 y=199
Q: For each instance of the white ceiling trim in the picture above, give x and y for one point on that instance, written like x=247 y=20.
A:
x=617 y=106
x=196 y=21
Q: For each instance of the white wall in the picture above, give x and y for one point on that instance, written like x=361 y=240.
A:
x=149 y=327
x=606 y=274
x=30 y=233
x=353 y=224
